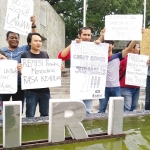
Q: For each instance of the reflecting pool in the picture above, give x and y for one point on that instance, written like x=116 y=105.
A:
x=137 y=131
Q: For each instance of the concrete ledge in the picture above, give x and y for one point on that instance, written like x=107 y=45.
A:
x=93 y=116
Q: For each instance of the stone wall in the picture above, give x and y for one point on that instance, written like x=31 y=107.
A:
x=49 y=25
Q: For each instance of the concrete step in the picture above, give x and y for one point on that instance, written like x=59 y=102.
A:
x=61 y=87
x=60 y=90
x=65 y=83
x=60 y=96
x=66 y=78
x=66 y=74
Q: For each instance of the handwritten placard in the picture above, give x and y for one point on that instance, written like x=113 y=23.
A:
x=8 y=76
x=18 y=16
x=136 y=72
x=123 y=27
x=40 y=73
x=145 y=43
x=88 y=70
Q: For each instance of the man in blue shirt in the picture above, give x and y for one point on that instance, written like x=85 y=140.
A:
x=13 y=51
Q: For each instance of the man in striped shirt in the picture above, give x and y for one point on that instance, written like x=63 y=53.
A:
x=112 y=79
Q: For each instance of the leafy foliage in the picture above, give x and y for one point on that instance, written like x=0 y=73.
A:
x=71 y=12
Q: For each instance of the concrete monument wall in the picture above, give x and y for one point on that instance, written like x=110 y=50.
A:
x=49 y=25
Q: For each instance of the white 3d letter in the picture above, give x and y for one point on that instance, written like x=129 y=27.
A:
x=58 y=119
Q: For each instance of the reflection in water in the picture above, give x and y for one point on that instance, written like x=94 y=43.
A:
x=137 y=138
x=138 y=134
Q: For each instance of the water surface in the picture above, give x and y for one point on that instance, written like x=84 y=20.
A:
x=136 y=128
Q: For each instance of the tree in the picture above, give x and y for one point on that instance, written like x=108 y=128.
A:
x=71 y=12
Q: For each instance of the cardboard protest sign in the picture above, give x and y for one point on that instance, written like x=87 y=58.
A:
x=8 y=76
x=88 y=70
x=123 y=27
x=18 y=16
x=136 y=72
x=40 y=73
x=145 y=43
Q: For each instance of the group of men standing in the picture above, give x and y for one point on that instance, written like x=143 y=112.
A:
x=31 y=50
x=116 y=72
x=115 y=79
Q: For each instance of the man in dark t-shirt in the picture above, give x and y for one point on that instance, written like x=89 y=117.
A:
x=41 y=95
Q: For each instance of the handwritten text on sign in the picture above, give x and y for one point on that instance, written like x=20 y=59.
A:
x=136 y=72
x=18 y=16
x=88 y=70
x=40 y=73
x=123 y=27
x=8 y=76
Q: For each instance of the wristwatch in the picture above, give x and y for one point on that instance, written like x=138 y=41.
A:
x=34 y=26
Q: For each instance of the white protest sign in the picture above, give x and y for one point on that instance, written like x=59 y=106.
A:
x=136 y=72
x=8 y=76
x=88 y=70
x=123 y=27
x=40 y=73
x=18 y=16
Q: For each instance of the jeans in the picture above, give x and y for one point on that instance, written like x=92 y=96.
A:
x=131 y=97
x=33 y=98
x=147 y=98
x=109 y=92
x=88 y=103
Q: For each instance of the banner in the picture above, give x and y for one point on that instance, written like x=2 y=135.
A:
x=136 y=72
x=88 y=70
x=8 y=76
x=18 y=16
x=40 y=73
x=123 y=27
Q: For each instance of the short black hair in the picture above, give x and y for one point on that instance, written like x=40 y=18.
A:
x=129 y=44
x=109 y=41
x=29 y=37
x=9 y=32
x=84 y=28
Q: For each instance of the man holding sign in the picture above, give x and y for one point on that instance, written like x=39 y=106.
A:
x=40 y=95
x=129 y=92
x=112 y=79
x=13 y=51
x=84 y=35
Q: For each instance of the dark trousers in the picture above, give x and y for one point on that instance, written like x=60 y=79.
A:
x=18 y=96
x=147 y=98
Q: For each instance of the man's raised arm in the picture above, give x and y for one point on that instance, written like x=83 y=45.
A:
x=33 y=25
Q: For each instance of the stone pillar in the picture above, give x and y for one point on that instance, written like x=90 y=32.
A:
x=12 y=123
x=115 y=116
